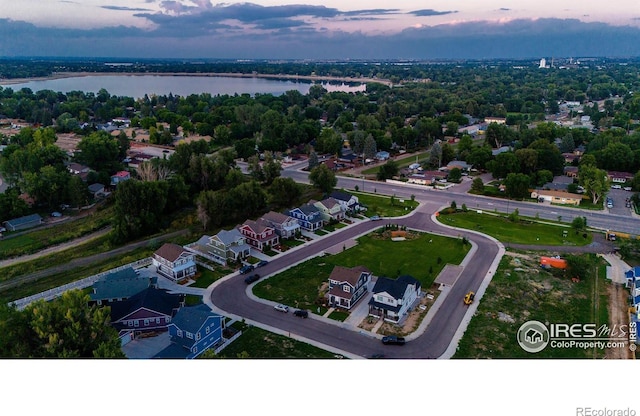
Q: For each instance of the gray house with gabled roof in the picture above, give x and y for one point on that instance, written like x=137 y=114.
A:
x=227 y=245
x=194 y=329
x=393 y=298
x=308 y=217
x=118 y=286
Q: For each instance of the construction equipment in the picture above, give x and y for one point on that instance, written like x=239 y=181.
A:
x=468 y=298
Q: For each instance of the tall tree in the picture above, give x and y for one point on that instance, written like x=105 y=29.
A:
x=594 y=181
x=323 y=178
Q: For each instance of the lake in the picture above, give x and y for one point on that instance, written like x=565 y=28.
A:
x=137 y=86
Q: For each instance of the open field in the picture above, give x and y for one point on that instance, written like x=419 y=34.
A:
x=302 y=285
x=527 y=231
x=522 y=291
x=382 y=205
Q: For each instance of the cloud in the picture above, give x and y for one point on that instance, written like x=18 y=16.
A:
x=287 y=37
x=504 y=9
x=370 y=12
x=431 y=12
x=129 y=9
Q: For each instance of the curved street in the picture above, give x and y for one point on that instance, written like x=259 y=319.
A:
x=229 y=296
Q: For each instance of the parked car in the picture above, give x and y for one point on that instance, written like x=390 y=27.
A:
x=282 y=308
x=246 y=268
x=628 y=188
x=301 y=313
x=468 y=298
x=56 y=214
x=616 y=186
x=375 y=218
x=252 y=278
x=262 y=263
x=393 y=340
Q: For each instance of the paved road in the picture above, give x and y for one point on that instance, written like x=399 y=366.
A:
x=230 y=297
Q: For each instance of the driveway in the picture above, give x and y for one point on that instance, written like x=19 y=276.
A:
x=143 y=348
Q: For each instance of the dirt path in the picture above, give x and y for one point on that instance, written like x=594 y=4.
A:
x=55 y=249
x=618 y=317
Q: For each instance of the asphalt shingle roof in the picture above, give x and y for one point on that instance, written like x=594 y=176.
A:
x=394 y=287
x=157 y=300
x=121 y=284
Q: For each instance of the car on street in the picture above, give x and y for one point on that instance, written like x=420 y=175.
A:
x=375 y=218
x=246 y=268
x=393 y=340
x=262 y=263
x=282 y=308
x=252 y=278
x=301 y=313
x=468 y=298
x=56 y=214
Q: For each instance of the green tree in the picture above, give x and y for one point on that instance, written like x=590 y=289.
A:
x=455 y=175
x=138 y=209
x=517 y=185
x=323 y=178
x=284 y=192
x=100 y=152
x=594 y=181
x=369 y=147
x=504 y=164
x=388 y=170
x=68 y=328
x=477 y=186
x=313 y=160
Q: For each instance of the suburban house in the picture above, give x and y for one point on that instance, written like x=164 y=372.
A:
x=174 y=262
x=118 y=286
x=619 y=177
x=633 y=284
x=347 y=286
x=308 y=217
x=460 y=164
x=259 y=234
x=348 y=201
x=392 y=299
x=23 y=222
x=557 y=197
x=330 y=209
x=382 y=155
x=571 y=171
x=79 y=170
x=285 y=226
x=419 y=179
x=121 y=176
x=556 y=186
x=149 y=310
x=223 y=247
x=195 y=329
x=96 y=189
x=497 y=120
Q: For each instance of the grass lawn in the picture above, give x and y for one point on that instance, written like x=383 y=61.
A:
x=40 y=238
x=381 y=205
x=258 y=343
x=521 y=291
x=339 y=315
x=525 y=232
x=207 y=276
x=291 y=243
x=302 y=285
x=402 y=163
x=192 y=300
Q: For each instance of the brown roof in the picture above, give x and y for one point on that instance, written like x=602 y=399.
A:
x=275 y=217
x=560 y=194
x=170 y=251
x=346 y=274
x=258 y=226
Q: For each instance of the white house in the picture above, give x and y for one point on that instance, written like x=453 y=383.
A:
x=392 y=299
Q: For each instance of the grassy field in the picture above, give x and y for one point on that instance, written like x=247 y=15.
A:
x=382 y=206
x=301 y=285
x=208 y=276
x=258 y=343
x=41 y=238
x=521 y=291
x=524 y=232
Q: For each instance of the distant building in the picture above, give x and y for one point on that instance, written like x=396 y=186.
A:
x=543 y=63
x=121 y=176
x=23 y=222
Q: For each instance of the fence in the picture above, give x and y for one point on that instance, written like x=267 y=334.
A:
x=78 y=284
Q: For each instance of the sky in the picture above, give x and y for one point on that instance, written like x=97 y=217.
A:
x=311 y=29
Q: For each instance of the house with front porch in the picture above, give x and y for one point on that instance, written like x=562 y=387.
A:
x=347 y=286
x=259 y=234
x=149 y=310
x=284 y=225
x=348 y=201
x=194 y=329
x=393 y=298
x=308 y=217
x=226 y=246
x=330 y=210
x=557 y=197
x=174 y=262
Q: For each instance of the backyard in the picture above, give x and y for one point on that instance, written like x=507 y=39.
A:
x=303 y=285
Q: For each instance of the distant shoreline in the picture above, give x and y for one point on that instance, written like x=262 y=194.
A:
x=61 y=75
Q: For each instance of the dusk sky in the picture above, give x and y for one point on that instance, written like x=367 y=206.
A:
x=309 y=29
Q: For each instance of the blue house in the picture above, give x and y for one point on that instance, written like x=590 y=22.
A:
x=308 y=216
x=194 y=329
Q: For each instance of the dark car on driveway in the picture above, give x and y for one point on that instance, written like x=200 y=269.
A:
x=252 y=278
x=246 y=269
x=393 y=340
x=301 y=313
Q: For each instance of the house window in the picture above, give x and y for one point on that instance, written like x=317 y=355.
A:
x=198 y=336
x=129 y=323
x=157 y=321
x=189 y=335
x=146 y=322
x=136 y=323
x=346 y=288
x=207 y=330
x=179 y=333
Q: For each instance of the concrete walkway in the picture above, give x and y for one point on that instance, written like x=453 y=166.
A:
x=616 y=269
